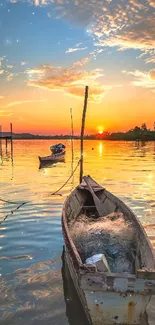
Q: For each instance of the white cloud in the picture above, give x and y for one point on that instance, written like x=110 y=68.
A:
x=24 y=62
x=10 y=76
x=142 y=79
x=9 y=66
x=70 y=50
x=123 y=24
x=34 y=71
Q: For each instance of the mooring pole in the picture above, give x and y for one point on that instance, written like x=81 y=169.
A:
x=72 y=146
x=6 y=145
x=82 y=131
x=11 y=142
x=72 y=128
x=0 y=140
x=11 y=129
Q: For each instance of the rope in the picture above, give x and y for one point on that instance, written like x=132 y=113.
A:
x=11 y=211
x=11 y=202
x=65 y=142
x=67 y=179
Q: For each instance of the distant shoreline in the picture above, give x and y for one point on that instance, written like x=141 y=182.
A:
x=136 y=134
x=78 y=138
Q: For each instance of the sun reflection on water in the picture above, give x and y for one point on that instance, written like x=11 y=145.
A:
x=100 y=149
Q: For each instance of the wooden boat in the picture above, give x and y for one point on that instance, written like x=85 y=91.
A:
x=57 y=155
x=108 y=298
x=60 y=156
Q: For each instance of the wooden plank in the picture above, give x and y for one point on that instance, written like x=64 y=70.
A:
x=145 y=274
x=98 y=203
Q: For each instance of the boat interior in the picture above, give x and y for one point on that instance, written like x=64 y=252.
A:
x=100 y=223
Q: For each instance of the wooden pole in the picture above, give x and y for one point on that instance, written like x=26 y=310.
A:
x=0 y=140
x=82 y=131
x=72 y=146
x=11 y=142
x=6 y=144
x=11 y=129
x=72 y=128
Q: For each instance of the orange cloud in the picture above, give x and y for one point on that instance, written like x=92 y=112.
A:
x=152 y=74
x=15 y=103
x=70 y=80
x=5 y=113
x=96 y=93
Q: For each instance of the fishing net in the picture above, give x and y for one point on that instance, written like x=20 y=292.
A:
x=110 y=235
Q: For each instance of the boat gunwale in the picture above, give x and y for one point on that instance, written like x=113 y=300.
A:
x=76 y=257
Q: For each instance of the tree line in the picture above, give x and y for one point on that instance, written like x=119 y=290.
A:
x=138 y=133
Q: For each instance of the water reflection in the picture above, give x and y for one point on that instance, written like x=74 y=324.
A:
x=7 y=156
x=49 y=164
x=74 y=308
x=33 y=296
x=32 y=237
x=100 y=149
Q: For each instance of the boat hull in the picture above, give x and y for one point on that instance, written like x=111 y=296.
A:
x=112 y=308
x=109 y=298
x=108 y=308
x=52 y=158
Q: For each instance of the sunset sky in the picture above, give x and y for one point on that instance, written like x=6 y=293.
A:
x=51 y=49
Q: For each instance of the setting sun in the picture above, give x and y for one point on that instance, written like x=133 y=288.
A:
x=100 y=129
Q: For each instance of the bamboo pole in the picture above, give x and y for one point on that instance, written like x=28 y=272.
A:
x=82 y=131
x=11 y=142
x=11 y=129
x=1 y=140
x=6 y=145
x=72 y=128
x=72 y=147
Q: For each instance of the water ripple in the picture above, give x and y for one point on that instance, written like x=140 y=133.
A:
x=32 y=290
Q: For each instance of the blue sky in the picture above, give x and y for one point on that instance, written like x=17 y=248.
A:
x=54 y=47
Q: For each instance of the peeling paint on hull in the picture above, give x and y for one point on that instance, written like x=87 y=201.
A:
x=111 y=308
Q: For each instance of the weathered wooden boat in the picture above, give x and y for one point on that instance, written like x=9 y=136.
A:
x=108 y=298
x=57 y=157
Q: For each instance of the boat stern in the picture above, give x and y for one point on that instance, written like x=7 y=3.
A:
x=116 y=300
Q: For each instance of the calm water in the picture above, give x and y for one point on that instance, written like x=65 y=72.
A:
x=31 y=274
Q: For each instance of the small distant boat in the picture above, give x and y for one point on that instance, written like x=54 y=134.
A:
x=108 y=298
x=53 y=158
x=58 y=154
